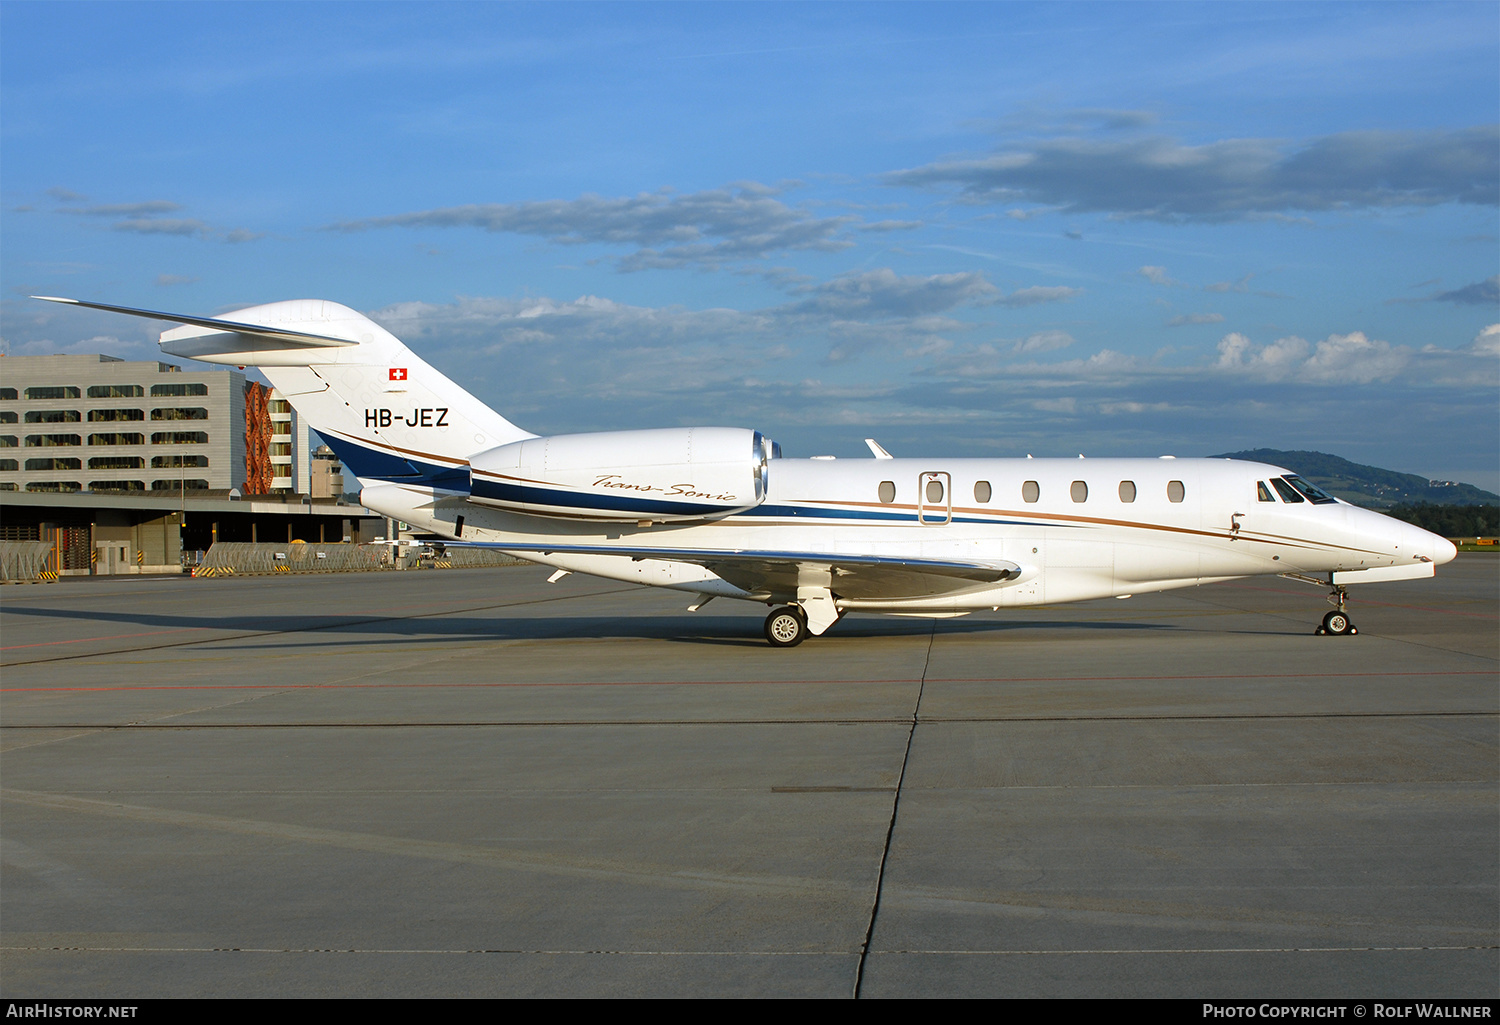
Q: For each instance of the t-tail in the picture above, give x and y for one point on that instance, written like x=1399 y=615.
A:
x=385 y=411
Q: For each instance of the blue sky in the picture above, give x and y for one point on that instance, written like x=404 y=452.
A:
x=978 y=229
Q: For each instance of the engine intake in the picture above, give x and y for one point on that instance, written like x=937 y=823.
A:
x=689 y=473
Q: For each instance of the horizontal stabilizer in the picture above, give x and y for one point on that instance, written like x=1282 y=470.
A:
x=297 y=339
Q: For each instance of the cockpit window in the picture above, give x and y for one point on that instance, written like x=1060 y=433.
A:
x=1313 y=494
x=1286 y=491
x=1263 y=493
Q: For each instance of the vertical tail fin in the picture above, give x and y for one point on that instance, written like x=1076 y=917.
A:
x=387 y=413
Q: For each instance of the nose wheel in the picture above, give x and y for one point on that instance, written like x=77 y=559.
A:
x=1337 y=623
x=786 y=627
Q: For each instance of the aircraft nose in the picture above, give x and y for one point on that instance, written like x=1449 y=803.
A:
x=1425 y=543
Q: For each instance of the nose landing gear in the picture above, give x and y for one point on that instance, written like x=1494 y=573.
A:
x=1337 y=623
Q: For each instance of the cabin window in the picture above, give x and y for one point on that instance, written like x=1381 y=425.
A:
x=1263 y=493
x=1127 y=491
x=934 y=491
x=1286 y=491
x=1079 y=491
x=1031 y=491
x=887 y=491
x=1175 y=491
x=982 y=492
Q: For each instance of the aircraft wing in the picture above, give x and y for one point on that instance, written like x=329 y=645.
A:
x=780 y=572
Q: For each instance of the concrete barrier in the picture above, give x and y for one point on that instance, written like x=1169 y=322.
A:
x=24 y=561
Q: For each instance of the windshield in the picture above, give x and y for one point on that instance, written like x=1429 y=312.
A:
x=1314 y=495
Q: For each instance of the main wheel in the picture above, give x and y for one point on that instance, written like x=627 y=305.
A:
x=1337 y=624
x=785 y=627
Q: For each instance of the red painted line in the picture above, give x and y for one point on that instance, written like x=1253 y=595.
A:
x=731 y=683
x=1364 y=601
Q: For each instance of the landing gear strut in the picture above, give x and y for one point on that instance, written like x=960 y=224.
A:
x=1337 y=623
x=786 y=627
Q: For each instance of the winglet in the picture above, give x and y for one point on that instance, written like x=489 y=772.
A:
x=879 y=452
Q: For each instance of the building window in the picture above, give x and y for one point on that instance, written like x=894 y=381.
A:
x=107 y=415
x=7 y=441
x=279 y=406
x=49 y=440
x=173 y=462
x=174 y=390
x=1031 y=491
x=982 y=492
x=281 y=449
x=117 y=485
x=62 y=392
x=179 y=438
x=180 y=413
x=124 y=438
x=887 y=491
x=175 y=485
x=7 y=416
x=9 y=464
x=116 y=463
x=1175 y=491
x=33 y=465
x=1127 y=491
x=116 y=391
x=8 y=394
x=54 y=485
x=281 y=427
x=52 y=416
x=1079 y=491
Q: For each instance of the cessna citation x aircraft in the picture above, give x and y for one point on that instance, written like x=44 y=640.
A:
x=716 y=511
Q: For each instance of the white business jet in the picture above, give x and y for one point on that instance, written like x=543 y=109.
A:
x=717 y=512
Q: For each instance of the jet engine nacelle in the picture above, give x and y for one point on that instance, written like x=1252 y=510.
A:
x=690 y=473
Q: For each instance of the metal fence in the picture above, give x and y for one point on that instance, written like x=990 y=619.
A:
x=25 y=560
x=245 y=558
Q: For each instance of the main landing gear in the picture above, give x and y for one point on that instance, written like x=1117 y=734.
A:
x=786 y=627
x=1337 y=623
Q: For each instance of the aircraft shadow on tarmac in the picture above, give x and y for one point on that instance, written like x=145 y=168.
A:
x=355 y=630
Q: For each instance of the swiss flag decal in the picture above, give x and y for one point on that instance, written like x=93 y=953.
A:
x=398 y=373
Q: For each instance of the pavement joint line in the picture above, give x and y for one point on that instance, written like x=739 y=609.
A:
x=838 y=721
x=737 y=953
x=307 y=629
x=885 y=851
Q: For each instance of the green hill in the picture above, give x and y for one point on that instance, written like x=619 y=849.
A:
x=1369 y=486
